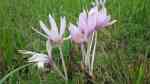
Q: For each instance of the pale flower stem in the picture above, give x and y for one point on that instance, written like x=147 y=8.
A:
x=49 y=49
x=93 y=53
x=59 y=72
x=83 y=52
x=88 y=55
x=63 y=63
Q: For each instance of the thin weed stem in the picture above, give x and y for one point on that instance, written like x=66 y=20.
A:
x=63 y=63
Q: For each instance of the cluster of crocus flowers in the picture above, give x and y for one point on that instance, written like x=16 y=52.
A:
x=84 y=34
x=90 y=21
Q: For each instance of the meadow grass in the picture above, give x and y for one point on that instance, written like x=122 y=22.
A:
x=123 y=50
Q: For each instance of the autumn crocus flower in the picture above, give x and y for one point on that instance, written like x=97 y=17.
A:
x=86 y=25
x=43 y=60
x=54 y=36
x=87 y=21
x=102 y=18
x=39 y=59
x=77 y=35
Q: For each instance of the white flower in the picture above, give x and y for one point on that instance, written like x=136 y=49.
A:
x=39 y=59
x=53 y=35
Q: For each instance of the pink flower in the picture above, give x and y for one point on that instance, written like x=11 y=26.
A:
x=102 y=19
x=54 y=35
x=77 y=35
x=87 y=21
x=86 y=25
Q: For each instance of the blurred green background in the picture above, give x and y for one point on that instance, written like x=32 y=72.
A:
x=123 y=50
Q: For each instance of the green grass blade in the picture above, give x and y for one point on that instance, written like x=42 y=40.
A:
x=12 y=72
x=140 y=75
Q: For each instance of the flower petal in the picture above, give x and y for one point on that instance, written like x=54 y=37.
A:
x=97 y=2
x=36 y=57
x=72 y=27
x=103 y=11
x=83 y=21
x=39 y=58
x=102 y=18
x=62 y=25
x=44 y=28
x=76 y=35
x=26 y=52
x=112 y=22
x=40 y=65
x=102 y=2
x=54 y=28
x=92 y=19
x=93 y=10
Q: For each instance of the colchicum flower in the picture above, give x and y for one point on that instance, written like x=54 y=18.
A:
x=76 y=35
x=102 y=19
x=87 y=22
x=39 y=59
x=54 y=39
x=54 y=36
x=84 y=29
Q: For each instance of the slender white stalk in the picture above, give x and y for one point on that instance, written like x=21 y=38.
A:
x=88 y=55
x=49 y=49
x=93 y=53
x=63 y=63
x=39 y=32
x=83 y=53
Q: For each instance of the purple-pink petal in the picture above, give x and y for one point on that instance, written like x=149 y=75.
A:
x=83 y=21
x=76 y=35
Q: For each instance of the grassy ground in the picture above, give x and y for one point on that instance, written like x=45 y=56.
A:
x=123 y=51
